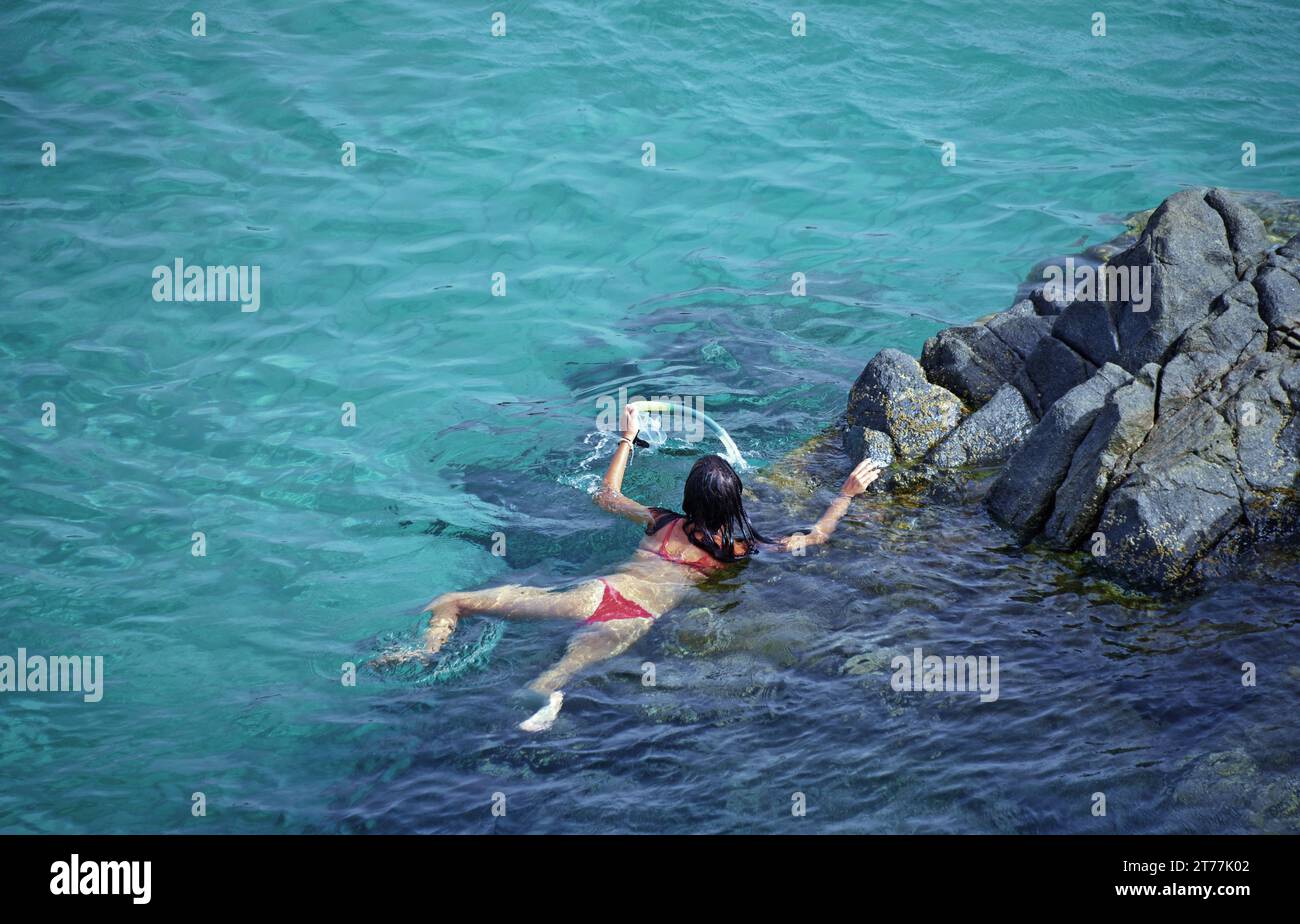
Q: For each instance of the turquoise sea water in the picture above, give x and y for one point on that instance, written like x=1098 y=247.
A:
x=476 y=414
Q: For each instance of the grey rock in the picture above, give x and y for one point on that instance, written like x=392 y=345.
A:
x=1158 y=523
x=1258 y=406
x=1224 y=557
x=1089 y=329
x=1185 y=246
x=1178 y=499
x=1198 y=428
x=1279 y=303
x=1021 y=498
x=1020 y=327
x=916 y=478
x=861 y=443
x=971 y=362
x=1044 y=306
x=1247 y=237
x=1054 y=369
x=892 y=396
x=1051 y=287
x=988 y=436
x=1209 y=348
x=1291 y=248
x=1118 y=430
x=1149 y=375
x=1029 y=391
x=1286 y=257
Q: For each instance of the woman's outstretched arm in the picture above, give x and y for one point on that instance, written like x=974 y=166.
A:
x=866 y=471
x=610 y=496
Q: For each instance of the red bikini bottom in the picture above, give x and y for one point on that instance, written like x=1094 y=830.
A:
x=613 y=605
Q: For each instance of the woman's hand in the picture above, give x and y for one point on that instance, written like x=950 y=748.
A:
x=867 y=471
x=629 y=421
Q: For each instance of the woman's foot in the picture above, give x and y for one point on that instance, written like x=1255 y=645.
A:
x=445 y=613
x=396 y=656
x=544 y=718
x=442 y=623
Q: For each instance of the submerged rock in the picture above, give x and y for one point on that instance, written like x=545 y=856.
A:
x=1270 y=801
x=1153 y=407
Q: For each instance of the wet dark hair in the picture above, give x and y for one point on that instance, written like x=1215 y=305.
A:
x=712 y=502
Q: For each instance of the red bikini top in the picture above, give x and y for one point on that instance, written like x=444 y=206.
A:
x=671 y=519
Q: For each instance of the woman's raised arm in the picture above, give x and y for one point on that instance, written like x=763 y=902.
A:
x=866 y=471
x=610 y=496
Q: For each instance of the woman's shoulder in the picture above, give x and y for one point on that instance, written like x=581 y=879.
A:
x=659 y=518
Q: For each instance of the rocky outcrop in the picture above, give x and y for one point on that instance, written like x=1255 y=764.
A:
x=1140 y=399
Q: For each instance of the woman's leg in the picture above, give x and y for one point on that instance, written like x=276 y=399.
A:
x=597 y=643
x=514 y=601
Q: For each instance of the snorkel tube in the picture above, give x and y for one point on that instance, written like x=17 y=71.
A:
x=645 y=408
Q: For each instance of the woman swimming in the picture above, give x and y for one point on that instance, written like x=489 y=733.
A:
x=678 y=551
